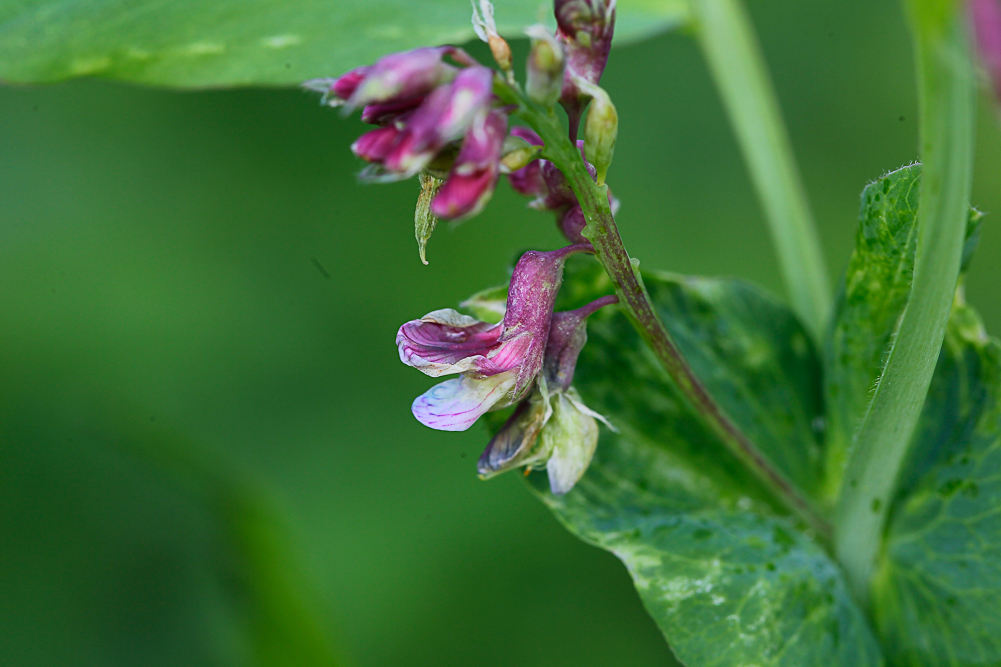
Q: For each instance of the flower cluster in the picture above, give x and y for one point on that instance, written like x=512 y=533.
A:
x=438 y=114
x=432 y=116
x=526 y=360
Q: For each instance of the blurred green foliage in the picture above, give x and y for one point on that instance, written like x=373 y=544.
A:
x=165 y=256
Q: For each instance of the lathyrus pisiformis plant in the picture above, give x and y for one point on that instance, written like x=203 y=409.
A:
x=815 y=485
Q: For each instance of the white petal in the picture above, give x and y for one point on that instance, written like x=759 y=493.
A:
x=454 y=405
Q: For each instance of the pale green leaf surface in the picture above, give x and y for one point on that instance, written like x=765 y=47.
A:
x=253 y=42
x=938 y=590
x=875 y=293
x=727 y=580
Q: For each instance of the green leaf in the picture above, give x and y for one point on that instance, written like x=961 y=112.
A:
x=877 y=286
x=937 y=591
x=252 y=42
x=727 y=579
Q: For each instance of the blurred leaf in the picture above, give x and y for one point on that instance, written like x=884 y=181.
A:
x=249 y=42
x=938 y=590
x=125 y=545
x=877 y=286
x=726 y=579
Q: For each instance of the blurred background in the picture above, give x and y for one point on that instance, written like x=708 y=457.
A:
x=206 y=450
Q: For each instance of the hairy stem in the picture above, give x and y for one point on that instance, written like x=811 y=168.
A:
x=884 y=439
x=727 y=39
x=604 y=236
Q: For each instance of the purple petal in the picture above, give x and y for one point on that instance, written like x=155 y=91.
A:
x=400 y=76
x=454 y=405
x=374 y=146
x=476 y=170
x=438 y=343
x=384 y=114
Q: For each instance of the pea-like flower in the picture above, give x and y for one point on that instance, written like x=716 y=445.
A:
x=552 y=428
x=435 y=117
x=498 y=363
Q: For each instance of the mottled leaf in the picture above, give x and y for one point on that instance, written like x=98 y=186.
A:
x=875 y=293
x=938 y=589
x=246 y=42
x=728 y=579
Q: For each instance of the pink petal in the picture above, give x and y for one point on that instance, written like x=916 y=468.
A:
x=442 y=340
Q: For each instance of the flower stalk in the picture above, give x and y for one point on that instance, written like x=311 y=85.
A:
x=609 y=249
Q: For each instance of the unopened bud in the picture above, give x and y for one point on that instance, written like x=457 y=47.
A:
x=518 y=153
x=601 y=130
x=546 y=64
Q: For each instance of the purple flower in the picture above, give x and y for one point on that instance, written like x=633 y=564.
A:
x=985 y=15
x=498 y=363
x=421 y=133
x=586 y=28
x=552 y=428
x=474 y=175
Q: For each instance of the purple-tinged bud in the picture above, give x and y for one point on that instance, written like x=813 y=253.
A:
x=985 y=15
x=600 y=131
x=337 y=91
x=518 y=154
x=528 y=180
x=474 y=176
x=374 y=146
x=572 y=224
x=586 y=28
x=401 y=76
x=567 y=336
x=446 y=115
x=546 y=64
x=498 y=363
x=552 y=427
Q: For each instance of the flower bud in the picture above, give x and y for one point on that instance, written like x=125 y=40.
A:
x=337 y=91
x=474 y=175
x=528 y=180
x=586 y=28
x=546 y=64
x=985 y=15
x=518 y=154
x=572 y=224
x=401 y=76
x=444 y=116
x=601 y=130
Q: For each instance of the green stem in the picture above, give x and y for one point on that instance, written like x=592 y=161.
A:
x=946 y=86
x=727 y=39
x=604 y=236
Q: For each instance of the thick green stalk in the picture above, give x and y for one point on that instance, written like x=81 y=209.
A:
x=727 y=39
x=946 y=85
x=633 y=298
